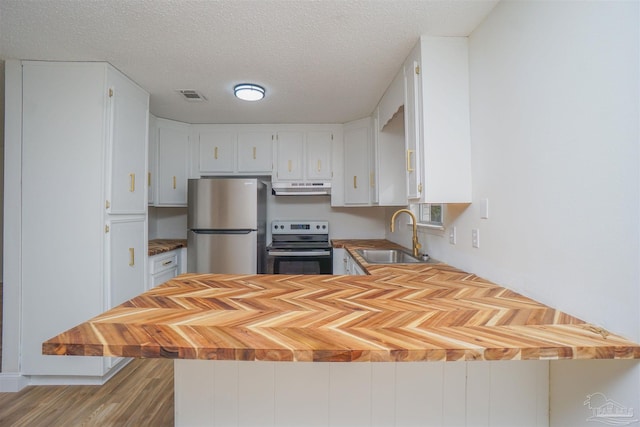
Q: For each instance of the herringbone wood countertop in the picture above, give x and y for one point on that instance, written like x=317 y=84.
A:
x=399 y=313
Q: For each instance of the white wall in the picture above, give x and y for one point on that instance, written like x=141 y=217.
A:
x=1 y=159
x=167 y=223
x=555 y=149
x=344 y=223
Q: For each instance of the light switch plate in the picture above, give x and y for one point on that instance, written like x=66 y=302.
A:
x=475 y=238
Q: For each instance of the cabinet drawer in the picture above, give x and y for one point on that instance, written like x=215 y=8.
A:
x=163 y=262
x=160 y=278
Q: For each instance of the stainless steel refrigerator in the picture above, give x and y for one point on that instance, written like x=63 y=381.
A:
x=227 y=226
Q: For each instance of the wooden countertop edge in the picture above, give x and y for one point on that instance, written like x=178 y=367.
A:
x=566 y=338
x=612 y=352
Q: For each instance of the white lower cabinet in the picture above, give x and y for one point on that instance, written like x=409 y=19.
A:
x=164 y=266
x=127 y=249
x=351 y=267
x=339 y=261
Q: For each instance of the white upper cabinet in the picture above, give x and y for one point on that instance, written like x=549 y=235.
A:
x=392 y=101
x=172 y=155
x=357 y=146
x=413 y=123
x=289 y=149
x=232 y=149
x=129 y=113
x=318 y=155
x=217 y=151
x=152 y=159
x=437 y=121
x=254 y=152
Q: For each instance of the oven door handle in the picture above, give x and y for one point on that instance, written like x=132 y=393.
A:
x=299 y=253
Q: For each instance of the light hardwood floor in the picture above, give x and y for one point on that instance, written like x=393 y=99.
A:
x=139 y=395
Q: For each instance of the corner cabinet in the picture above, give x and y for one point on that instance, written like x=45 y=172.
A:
x=84 y=197
x=437 y=127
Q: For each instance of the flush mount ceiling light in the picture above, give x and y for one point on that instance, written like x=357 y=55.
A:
x=249 y=92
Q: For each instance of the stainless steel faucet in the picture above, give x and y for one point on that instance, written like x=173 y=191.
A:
x=416 y=244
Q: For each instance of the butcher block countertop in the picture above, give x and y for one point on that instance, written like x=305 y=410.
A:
x=158 y=246
x=399 y=313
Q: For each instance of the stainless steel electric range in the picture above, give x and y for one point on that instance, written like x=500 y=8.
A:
x=300 y=247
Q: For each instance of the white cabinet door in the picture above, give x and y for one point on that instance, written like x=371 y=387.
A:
x=128 y=146
x=356 y=163
x=171 y=178
x=412 y=124
x=289 y=152
x=255 y=152
x=446 y=147
x=126 y=258
x=153 y=160
x=318 y=146
x=217 y=151
x=339 y=261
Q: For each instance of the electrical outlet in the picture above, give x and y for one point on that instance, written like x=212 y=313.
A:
x=452 y=235
x=475 y=238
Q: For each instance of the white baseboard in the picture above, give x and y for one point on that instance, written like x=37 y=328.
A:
x=14 y=382
x=11 y=382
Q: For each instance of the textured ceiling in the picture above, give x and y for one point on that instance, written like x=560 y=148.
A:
x=323 y=61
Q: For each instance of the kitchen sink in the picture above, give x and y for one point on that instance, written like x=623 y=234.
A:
x=387 y=256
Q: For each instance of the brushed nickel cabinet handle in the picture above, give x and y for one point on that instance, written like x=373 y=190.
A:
x=149 y=179
x=215 y=153
x=132 y=257
x=132 y=182
x=167 y=262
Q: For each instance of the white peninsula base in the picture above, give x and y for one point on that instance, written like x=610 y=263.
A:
x=237 y=393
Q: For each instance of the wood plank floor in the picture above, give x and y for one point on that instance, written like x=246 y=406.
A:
x=139 y=395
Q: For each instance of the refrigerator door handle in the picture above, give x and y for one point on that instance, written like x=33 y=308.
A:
x=247 y=231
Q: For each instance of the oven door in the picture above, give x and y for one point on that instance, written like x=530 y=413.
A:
x=300 y=261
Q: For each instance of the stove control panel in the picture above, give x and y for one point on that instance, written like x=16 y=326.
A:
x=299 y=227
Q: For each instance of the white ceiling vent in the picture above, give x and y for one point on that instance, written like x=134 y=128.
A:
x=192 y=95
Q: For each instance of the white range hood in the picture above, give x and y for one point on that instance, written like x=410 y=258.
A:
x=301 y=188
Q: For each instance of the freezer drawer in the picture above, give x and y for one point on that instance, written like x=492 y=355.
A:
x=226 y=253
